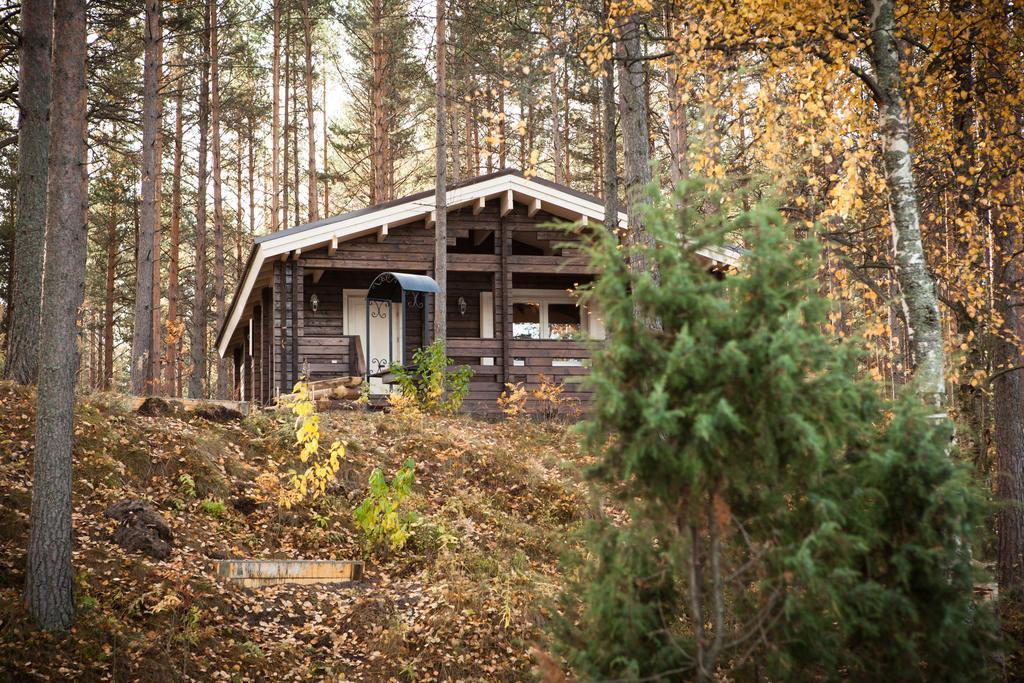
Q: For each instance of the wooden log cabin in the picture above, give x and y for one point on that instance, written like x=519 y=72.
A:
x=302 y=307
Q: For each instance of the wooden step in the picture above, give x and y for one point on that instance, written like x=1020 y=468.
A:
x=253 y=573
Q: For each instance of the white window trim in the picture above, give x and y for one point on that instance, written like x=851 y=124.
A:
x=544 y=297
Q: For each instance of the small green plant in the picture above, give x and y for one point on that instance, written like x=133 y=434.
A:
x=214 y=508
x=378 y=516
x=186 y=487
x=322 y=521
x=429 y=384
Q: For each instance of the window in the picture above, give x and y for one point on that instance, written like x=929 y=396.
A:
x=564 y=321
x=526 y=320
x=540 y=314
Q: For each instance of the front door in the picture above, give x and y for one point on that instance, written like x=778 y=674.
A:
x=380 y=353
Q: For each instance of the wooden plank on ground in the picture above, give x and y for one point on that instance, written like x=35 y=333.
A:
x=255 y=573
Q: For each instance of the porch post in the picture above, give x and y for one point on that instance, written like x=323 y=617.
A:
x=506 y=299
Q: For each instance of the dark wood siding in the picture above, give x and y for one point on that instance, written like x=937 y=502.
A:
x=290 y=339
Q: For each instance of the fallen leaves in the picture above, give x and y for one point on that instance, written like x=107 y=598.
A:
x=464 y=601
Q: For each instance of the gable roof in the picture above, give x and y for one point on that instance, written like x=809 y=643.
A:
x=511 y=185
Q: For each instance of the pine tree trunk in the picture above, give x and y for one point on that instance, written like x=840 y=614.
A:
x=609 y=146
x=1008 y=401
x=251 y=185
x=49 y=575
x=327 y=177
x=155 y=356
x=566 y=147
x=556 y=127
x=440 y=188
x=218 y=196
x=108 y=300
x=296 y=170
x=239 y=210
x=171 y=386
x=275 y=125
x=30 y=221
x=197 y=342
x=678 y=134
x=502 y=126
x=378 y=114
x=916 y=283
x=636 y=149
x=307 y=30
x=286 y=190
x=142 y=333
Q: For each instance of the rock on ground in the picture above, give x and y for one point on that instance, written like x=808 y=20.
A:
x=141 y=528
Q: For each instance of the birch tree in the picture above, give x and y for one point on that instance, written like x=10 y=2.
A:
x=917 y=286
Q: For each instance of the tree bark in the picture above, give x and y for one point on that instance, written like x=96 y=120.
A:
x=1008 y=401
x=197 y=342
x=286 y=189
x=142 y=333
x=108 y=300
x=915 y=280
x=155 y=355
x=30 y=221
x=171 y=387
x=440 y=188
x=275 y=125
x=609 y=147
x=218 y=196
x=379 y=97
x=49 y=575
x=307 y=29
x=327 y=177
x=251 y=186
x=556 y=126
x=678 y=133
x=635 y=145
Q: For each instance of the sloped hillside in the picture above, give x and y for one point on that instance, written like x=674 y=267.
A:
x=464 y=600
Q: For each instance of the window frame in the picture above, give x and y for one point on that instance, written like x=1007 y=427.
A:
x=544 y=297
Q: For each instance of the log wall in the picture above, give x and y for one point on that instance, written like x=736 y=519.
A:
x=487 y=253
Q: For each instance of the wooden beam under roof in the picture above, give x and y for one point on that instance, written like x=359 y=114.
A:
x=534 y=208
x=382 y=233
x=333 y=248
x=506 y=202
x=478 y=205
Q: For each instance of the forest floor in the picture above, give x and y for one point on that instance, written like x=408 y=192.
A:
x=466 y=599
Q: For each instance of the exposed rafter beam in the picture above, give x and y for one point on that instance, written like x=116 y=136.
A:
x=478 y=205
x=534 y=208
x=431 y=219
x=382 y=233
x=333 y=248
x=506 y=202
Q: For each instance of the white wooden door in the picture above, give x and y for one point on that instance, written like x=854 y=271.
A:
x=378 y=356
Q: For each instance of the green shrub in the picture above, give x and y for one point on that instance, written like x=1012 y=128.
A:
x=786 y=521
x=429 y=384
x=214 y=508
x=384 y=526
